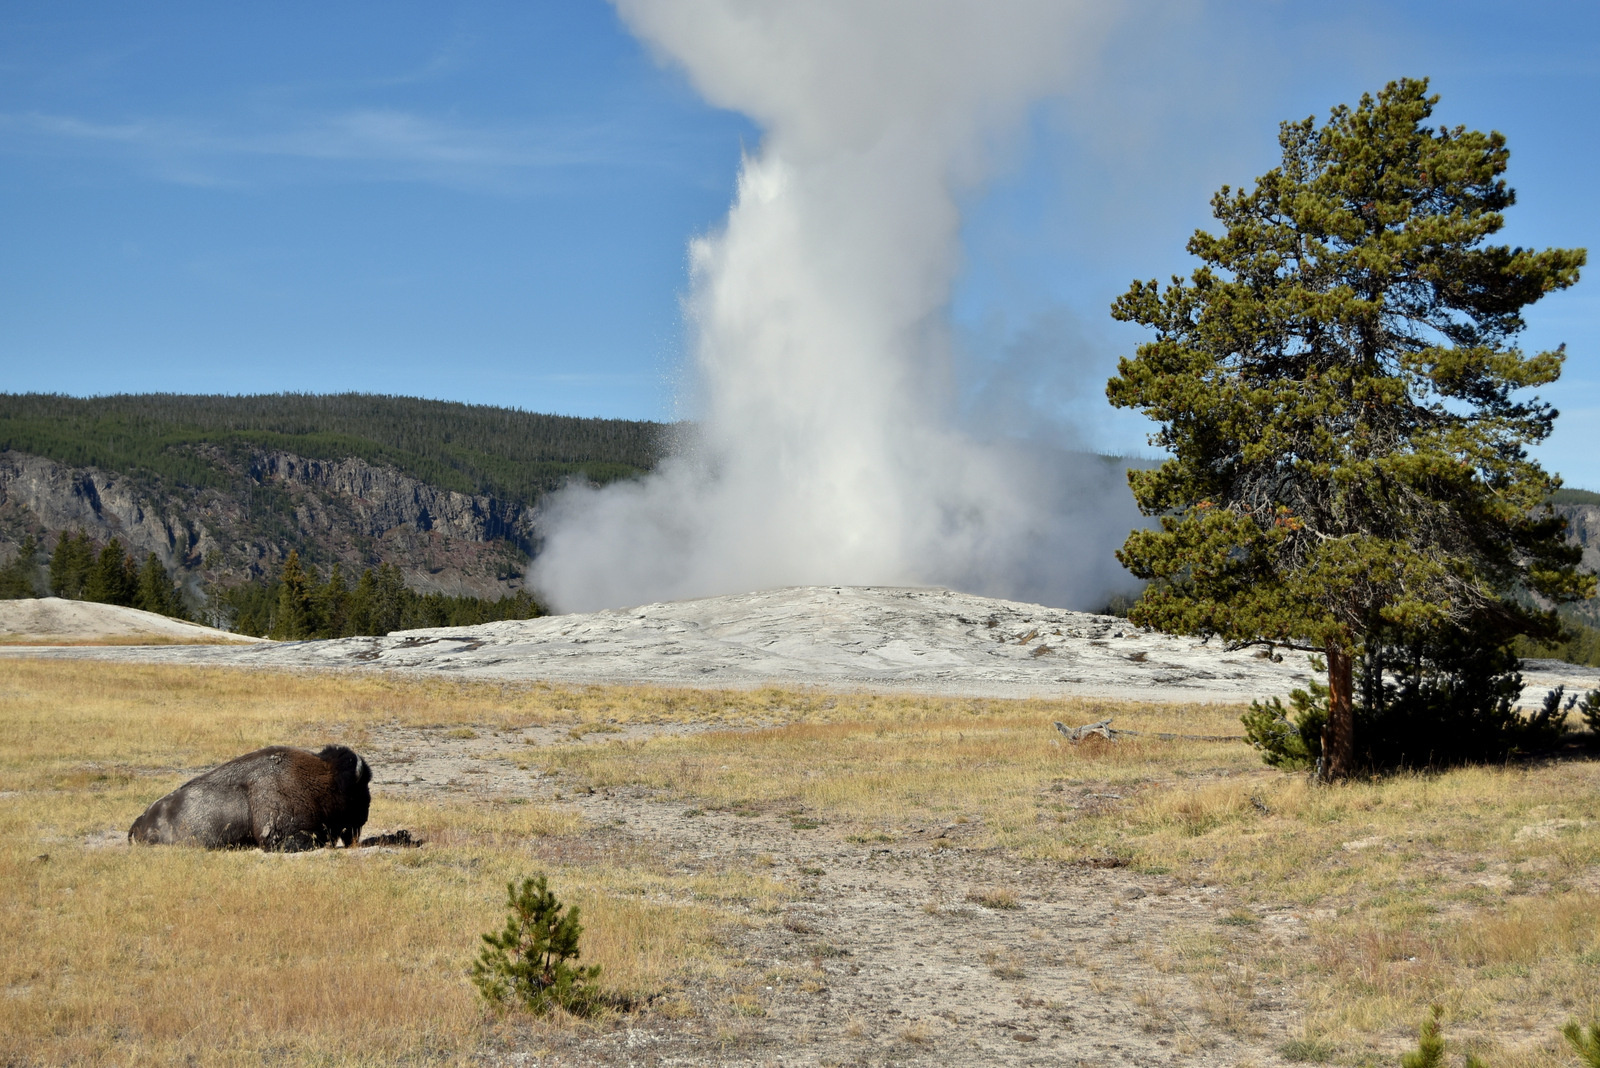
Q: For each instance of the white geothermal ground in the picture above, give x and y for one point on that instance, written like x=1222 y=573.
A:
x=55 y=619
x=915 y=639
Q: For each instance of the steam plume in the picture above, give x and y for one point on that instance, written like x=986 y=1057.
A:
x=828 y=447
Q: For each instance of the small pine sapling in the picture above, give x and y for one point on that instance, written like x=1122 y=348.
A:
x=1585 y=1043
x=1290 y=742
x=527 y=962
x=1430 y=1047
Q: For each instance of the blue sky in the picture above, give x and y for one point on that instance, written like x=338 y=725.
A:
x=491 y=202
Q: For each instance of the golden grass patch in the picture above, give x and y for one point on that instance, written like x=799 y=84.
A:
x=147 y=955
x=81 y=713
x=1478 y=889
x=999 y=897
x=112 y=955
x=1474 y=887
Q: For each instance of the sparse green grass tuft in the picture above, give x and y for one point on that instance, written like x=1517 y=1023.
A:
x=1308 y=1051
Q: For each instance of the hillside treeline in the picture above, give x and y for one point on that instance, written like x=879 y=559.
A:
x=473 y=449
x=80 y=571
x=296 y=604
x=1579 y=645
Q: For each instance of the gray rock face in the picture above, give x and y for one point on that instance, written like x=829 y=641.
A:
x=378 y=499
x=348 y=512
x=59 y=498
x=1583 y=527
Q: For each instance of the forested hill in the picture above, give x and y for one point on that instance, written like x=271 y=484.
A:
x=222 y=488
x=473 y=449
x=1574 y=496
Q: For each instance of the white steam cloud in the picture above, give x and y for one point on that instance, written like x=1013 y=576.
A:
x=829 y=447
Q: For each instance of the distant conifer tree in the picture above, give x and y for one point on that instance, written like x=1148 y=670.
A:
x=333 y=605
x=155 y=590
x=360 y=604
x=389 y=600
x=296 y=616
x=17 y=577
x=70 y=563
x=114 y=579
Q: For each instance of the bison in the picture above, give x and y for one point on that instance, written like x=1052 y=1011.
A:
x=278 y=798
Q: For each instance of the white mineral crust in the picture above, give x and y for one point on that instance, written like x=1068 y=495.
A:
x=883 y=638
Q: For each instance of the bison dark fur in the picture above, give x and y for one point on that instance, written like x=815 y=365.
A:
x=278 y=798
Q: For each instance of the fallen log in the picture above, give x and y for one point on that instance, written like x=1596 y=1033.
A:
x=1104 y=729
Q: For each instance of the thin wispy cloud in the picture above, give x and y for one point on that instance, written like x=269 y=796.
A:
x=382 y=144
x=441 y=63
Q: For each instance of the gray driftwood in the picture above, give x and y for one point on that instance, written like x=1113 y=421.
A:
x=1104 y=729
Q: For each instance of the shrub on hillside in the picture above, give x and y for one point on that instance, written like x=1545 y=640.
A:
x=296 y=603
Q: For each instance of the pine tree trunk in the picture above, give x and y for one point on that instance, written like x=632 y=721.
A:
x=1339 y=733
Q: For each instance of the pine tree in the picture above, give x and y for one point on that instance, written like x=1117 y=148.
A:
x=155 y=592
x=70 y=563
x=1337 y=386
x=527 y=962
x=113 y=579
x=333 y=605
x=390 y=599
x=360 y=606
x=295 y=618
x=248 y=608
x=17 y=577
x=1430 y=1045
x=1586 y=1044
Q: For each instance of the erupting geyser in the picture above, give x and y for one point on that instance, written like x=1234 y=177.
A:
x=827 y=447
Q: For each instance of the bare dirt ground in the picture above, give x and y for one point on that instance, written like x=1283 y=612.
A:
x=885 y=953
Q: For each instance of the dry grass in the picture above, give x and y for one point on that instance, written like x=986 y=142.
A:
x=120 y=961
x=995 y=898
x=1007 y=965
x=1478 y=889
x=158 y=956
x=916 y=761
x=151 y=716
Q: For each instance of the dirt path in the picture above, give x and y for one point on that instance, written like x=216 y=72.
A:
x=883 y=955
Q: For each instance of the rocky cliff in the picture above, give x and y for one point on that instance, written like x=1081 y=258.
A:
x=1583 y=528
x=260 y=504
